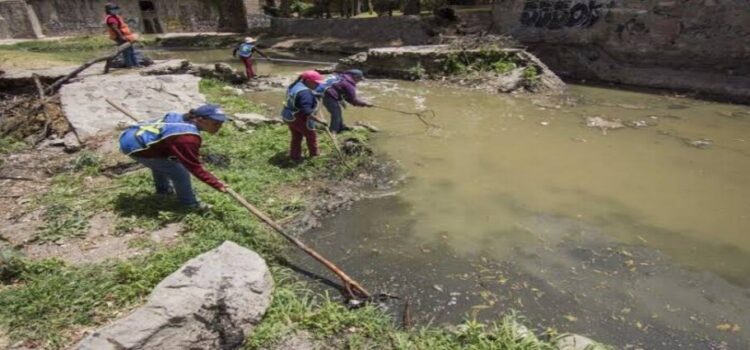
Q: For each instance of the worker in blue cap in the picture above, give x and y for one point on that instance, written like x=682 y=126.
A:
x=170 y=147
x=337 y=90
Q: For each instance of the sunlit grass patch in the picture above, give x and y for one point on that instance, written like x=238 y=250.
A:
x=39 y=54
x=49 y=299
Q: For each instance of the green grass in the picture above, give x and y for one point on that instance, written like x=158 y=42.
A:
x=42 y=303
x=295 y=308
x=49 y=299
x=231 y=103
x=483 y=61
x=36 y=54
x=48 y=302
x=81 y=43
x=10 y=144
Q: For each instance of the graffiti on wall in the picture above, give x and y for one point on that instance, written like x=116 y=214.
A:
x=557 y=14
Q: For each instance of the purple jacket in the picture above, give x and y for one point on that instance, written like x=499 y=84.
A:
x=346 y=89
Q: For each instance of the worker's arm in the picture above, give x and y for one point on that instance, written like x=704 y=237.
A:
x=350 y=95
x=186 y=148
x=234 y=53
x=262 y=54
x=116 y=29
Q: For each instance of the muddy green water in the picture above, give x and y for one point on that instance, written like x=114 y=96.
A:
x=632 y=236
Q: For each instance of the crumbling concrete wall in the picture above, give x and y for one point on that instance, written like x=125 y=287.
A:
x=254 y=15
x=636 y=41
x=402 y=30
x=17 y=20
x=61 y=17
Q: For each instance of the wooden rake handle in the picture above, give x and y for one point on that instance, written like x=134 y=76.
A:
x=335 y=142
x=122 y=109
x=354 y=289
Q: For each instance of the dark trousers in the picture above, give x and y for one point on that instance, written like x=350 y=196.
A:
x=128 y=55
x=248 y=61
x=298 y=129
x=337 y=115
x=170 y=174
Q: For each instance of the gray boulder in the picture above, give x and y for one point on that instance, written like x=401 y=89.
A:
x=255 y=119
x=71 y=142
x=212 y=302
x=147 y=97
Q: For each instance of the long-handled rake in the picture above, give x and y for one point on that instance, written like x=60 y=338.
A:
x=422 y=115
x=354 y=289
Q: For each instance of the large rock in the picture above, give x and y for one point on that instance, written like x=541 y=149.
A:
x=256 y=119
x=146 y=96
x=212 y=302
x=434 y=62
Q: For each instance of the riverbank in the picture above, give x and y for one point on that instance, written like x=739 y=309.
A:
x=96 y=240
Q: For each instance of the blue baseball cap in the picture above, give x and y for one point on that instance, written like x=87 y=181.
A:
x=209 y=111
x=356 y=73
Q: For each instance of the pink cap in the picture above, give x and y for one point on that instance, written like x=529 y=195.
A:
x=311 y=75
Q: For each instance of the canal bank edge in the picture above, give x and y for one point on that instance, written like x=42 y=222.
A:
x=327 y=205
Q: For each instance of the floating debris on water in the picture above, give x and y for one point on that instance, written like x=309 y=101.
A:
x=701 y=143
x=604 y=124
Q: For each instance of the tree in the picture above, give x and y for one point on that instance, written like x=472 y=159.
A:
x=286 y=8
x=412 y=7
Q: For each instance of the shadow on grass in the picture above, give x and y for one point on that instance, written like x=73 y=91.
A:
x=313 y=276
x=282 y=160
x=147 y=205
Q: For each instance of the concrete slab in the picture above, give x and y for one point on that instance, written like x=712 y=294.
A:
x=12 y=41
x=146 y=96
x=52 y=72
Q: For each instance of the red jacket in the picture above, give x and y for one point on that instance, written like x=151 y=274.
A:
x=186 y=148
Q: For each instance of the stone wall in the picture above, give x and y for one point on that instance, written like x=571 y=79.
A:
x=254 y=15
x=641 y=42
x=402 y=30
x=16 y=21
x=69 y=17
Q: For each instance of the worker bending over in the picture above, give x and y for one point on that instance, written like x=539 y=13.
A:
x=170 y=147
x=337 y=90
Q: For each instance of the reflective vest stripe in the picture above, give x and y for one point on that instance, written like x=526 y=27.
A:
x=290 y=106
x=141 y=136
x=246 y=50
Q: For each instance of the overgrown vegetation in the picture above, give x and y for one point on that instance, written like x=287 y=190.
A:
x=417 y=72
x=294 y=308
x=44 y=302
x=464 y=62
